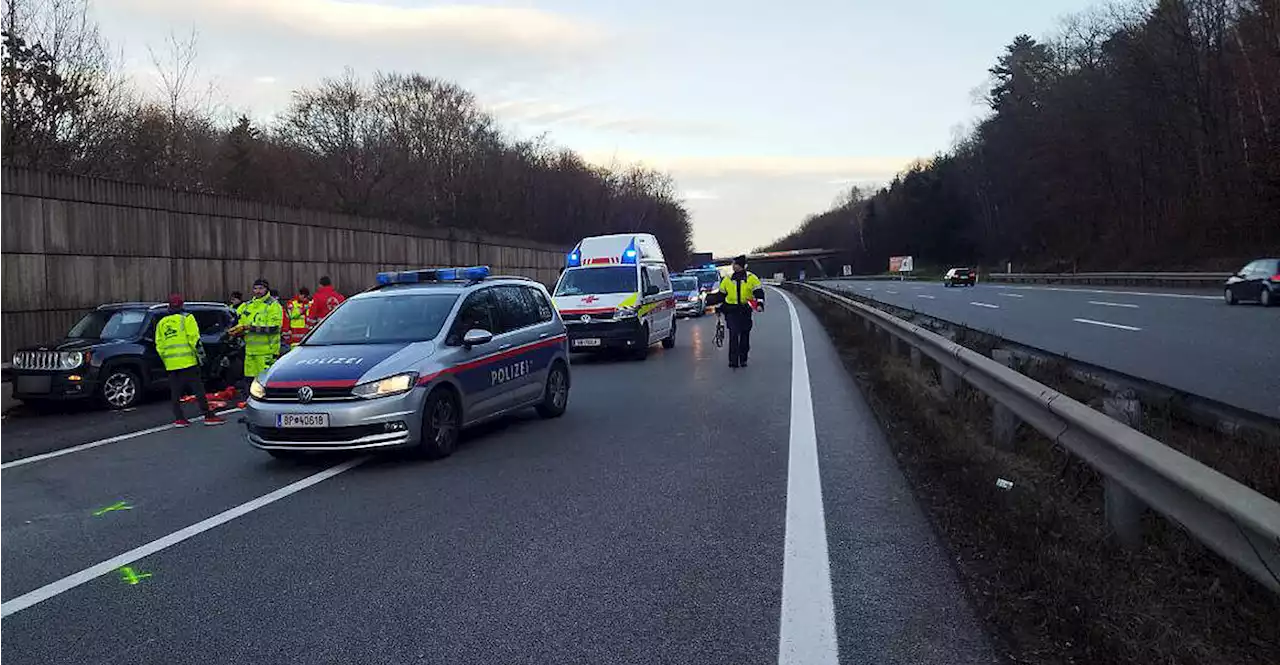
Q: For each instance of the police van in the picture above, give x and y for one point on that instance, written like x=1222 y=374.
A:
x=615 y=293
x=411 y=362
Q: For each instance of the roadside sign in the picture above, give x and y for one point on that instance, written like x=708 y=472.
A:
x=900 y=264
x=779 y=276
x=847 y=271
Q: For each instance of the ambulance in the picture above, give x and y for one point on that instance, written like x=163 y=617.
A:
x=615 y=293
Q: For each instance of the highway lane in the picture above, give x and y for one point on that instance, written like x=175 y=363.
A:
x=1188 y=340
x=648 y=525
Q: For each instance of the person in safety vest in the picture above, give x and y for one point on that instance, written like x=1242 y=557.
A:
x=260 y=322
x=178 y=343
x=324 y=301
x=236 y=302
x=741 y=293
x=295 y=313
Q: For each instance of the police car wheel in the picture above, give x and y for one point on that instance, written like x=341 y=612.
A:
x=555 y=398
x=669 y=342
x=440 y=424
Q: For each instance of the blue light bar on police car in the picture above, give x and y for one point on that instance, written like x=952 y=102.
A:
x=434 y=275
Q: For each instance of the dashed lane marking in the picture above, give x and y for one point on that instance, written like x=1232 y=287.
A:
x=1113 y=304
x=984 y=304
x=1106 y=324
x=115 y=563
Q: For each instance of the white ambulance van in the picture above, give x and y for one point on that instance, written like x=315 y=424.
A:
x=615 y=293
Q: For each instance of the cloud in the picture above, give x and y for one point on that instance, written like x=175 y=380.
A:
x=591 y=116
x=264 y=80
x=336 y=20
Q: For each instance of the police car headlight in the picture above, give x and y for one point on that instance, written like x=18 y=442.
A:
x=392 y=385
x=257 y=390
x=695 y=297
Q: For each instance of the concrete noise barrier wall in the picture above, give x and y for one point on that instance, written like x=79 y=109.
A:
x=71 y=243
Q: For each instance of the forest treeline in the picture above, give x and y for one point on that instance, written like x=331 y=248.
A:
x=1137 y=137
x=400 y=146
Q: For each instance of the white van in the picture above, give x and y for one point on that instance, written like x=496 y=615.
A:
x=615 y=293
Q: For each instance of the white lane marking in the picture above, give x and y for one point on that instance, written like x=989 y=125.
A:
x=1112 y=304
x=926 y=296
x=1104 y=323
x=95 y=444
x=984 y=304
x=917 y=288
x=1010 y=295
x=893 y=292
x=868 y=288
x=1115 y=293
x=93 y=572
x=807 y=628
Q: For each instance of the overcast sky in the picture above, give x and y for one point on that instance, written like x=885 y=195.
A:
x=763 y=111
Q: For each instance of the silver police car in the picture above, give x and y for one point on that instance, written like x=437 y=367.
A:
x=411 y=362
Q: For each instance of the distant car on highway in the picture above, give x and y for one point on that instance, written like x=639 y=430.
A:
x=110 y=355
x=960 y=276
x=1258 y=281
x=690 y=300
x=411 y=362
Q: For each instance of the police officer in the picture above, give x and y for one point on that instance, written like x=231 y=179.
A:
x=740 y=294
x=260 y=320
x=178 y=343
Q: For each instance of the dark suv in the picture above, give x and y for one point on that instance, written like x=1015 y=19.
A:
x=1258 y=281
x=958 y=276
x=110 y=354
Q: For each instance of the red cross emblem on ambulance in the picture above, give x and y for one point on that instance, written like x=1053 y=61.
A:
x=589 y=299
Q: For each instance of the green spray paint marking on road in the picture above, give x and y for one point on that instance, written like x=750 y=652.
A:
x=119 y=505
x=127 y=575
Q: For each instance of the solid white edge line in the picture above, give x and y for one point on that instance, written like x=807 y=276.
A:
x=984 y=304
x=93 y=572
x=926 y=296
x=1105 y=324
x=94 y=444
x=1113 y=292
x=1010 y=295
x=807 y=628
x=1113 y=304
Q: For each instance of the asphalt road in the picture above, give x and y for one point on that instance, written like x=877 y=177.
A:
x=680 y=512
x=1188 y=340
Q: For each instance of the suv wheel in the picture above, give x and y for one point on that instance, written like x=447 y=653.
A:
x=121 y=389
x=1266 y=298
x=1229 y=296
x=669 y=342
x=441 y=422
x=556 y=396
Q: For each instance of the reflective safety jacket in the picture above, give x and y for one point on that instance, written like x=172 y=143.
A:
x=322 y=302
x=178 y=341
x=295 y=311
x=743 y=291
x=262 y=318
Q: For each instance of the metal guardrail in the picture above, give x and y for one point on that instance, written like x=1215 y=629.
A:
x=1122 y=278
x=1235 y=521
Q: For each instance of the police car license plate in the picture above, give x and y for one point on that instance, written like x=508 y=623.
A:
x=302 y=420
x=589 y=341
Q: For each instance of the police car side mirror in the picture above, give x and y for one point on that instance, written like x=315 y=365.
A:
x=476 y=337
x=653 y=290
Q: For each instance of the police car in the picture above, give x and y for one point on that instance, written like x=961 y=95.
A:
x=410 y=362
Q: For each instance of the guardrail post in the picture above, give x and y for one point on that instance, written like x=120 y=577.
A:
x=1004 y=424
x=1123 y=509
x=915 y=359
x=895 y=345
x=949 y=380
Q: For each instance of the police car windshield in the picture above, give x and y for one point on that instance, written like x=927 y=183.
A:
x=385 y=319
x=684 y=284
x=120 y=324
x=708 y=278
x=611 y=279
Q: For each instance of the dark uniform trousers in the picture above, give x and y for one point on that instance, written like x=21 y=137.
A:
x=737 y=318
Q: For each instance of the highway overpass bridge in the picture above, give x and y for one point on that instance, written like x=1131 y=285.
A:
x=814 y=262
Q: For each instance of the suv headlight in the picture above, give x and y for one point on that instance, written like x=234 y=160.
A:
x=257 y=390
x=70 y=359
x=392 y=385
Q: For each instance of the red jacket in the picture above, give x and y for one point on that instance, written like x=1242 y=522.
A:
x=325 y=299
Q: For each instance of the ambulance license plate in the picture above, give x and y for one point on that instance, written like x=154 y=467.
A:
x=588 y=341
x=302 y=420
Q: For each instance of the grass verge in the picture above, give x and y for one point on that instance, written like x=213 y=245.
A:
x=1036 y=559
